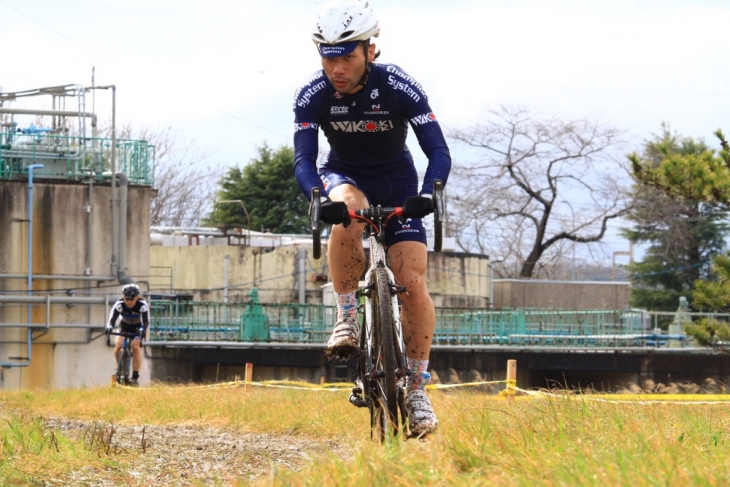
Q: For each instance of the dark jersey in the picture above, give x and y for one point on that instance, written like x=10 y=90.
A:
x=366 y=131
x=138 y=315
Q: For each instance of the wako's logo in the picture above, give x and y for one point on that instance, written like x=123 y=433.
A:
x=423 y=118
x=305 y=126
x=363 y=126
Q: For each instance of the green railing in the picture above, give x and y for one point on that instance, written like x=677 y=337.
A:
x=313 y=323
x=250 y=322
x=541 y=327
x=74 y=158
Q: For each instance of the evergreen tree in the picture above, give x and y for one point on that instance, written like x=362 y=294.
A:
x=683 y=234
x=701 y=178
x=713 y=296
x=267 y=190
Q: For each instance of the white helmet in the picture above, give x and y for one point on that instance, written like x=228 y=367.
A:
x=343 y=21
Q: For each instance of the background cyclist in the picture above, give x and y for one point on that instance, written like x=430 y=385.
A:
x=135 y=318
x=364 y=110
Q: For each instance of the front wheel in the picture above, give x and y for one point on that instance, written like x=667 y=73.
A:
x=385 y=394
x=123 y=366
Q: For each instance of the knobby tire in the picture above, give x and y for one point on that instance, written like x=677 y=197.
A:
x=386 y=404
x=123 y=366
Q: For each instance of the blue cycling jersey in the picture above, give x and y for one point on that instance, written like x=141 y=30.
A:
x=367 y=130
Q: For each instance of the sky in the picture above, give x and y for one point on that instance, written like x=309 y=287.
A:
x=222 y=73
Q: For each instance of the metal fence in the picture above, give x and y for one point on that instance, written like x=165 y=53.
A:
x=313 y=323
x=247 y=322
x=73 y=158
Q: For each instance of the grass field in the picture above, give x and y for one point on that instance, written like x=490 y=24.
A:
x=196 y=435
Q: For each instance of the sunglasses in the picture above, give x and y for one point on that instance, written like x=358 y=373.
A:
x=129 y=299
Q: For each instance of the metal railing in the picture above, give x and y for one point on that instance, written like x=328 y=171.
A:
x=73 y=158
x=313 y=323
x=249 y=322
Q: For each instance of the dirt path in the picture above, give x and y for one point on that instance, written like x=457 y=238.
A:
x=187 y=455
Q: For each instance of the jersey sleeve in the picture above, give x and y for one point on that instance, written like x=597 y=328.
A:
x=306 y=134
x=425 y=126
x=144 y=315
x=433 y=144
x=114 y=314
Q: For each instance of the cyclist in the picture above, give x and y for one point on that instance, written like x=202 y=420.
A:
x=364 y=109
x=135 y=318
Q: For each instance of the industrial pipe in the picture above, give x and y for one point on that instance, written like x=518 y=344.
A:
x=302 y=276
x=59 y=277
x=30 y=268
x=122 y=231
x=48 y=299
x=60 y=113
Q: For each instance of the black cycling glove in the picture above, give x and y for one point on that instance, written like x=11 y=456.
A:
x=334 y=212
x=417 y=206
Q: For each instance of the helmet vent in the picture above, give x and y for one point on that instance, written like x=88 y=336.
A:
x=346 y=34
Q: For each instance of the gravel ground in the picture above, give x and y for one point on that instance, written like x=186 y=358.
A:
x=175 y=455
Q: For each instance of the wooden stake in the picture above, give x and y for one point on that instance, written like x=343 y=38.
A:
x=510 y=381
x=248 y=377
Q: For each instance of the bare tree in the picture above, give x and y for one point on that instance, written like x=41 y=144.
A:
x=540 y=187
x=185 y=177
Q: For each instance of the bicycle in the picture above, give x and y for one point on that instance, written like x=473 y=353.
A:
x=381 y=360
x=124 y=361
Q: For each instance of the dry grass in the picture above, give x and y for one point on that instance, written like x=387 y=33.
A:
x=321 y=440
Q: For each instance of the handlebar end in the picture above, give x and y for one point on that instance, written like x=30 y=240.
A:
x=314 y=208
x=439 y=213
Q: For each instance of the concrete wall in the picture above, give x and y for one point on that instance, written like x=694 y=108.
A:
x=457 y=279
x=521 y=293
x=277 y=272
x=536 y=366
x=454 y=279
x=71 y=237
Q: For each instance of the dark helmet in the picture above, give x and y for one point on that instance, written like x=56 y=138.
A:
x=130 y=291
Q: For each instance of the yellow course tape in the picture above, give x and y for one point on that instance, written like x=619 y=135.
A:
x=332 y=386
x=637 y=398
x=465 y=384
x=511 y=391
